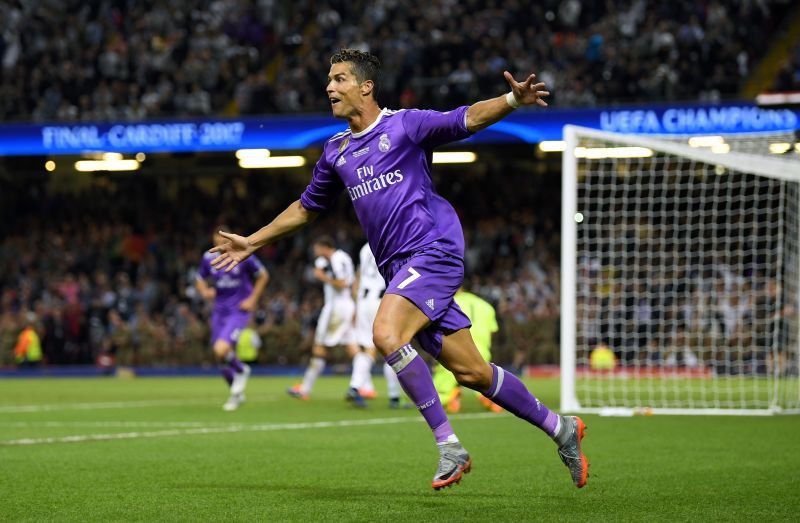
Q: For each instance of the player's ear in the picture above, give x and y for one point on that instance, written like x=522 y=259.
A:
x=366 y=87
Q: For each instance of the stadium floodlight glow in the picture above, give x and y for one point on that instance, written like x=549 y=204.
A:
x=140 y=157
x=552 y=146
x=110 y=157
x=454 y=157
x=106 y=165
x=599 y=153
x=272 y=162
x=721 y=148
x=779 y=148
x=789 y=98
x=50 y=166
x=705 y=141
x=252 y=154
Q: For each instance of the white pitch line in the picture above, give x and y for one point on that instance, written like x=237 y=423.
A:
x=108 y=424
x=99 y=405
x=268 y=427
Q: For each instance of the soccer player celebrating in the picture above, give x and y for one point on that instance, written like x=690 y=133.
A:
x=235 y=295
x=383 y=162
x=334 y=268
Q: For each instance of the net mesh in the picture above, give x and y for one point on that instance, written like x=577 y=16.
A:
x=687 y=274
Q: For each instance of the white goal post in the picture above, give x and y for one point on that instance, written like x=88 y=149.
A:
x=680 y=273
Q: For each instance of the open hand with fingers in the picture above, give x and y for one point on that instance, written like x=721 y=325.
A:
x=232 y=252
x=527 y=92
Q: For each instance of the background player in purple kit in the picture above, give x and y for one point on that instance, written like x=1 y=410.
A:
x=235 y=296
x=383 y=163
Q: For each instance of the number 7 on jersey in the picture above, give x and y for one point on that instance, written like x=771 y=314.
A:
x=414 y=276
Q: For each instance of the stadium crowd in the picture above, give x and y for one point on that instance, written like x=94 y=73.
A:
x=789 y=76
x=109 y=279
x=106 y=278
x=117 y=59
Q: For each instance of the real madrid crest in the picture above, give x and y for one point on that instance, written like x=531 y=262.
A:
x=344 y=144
x=384 y=143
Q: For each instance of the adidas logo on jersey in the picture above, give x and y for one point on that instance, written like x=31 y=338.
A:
x=341 y=161
x=429 y=303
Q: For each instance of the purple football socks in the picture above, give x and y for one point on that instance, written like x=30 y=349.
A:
x=227 y=373
x=510 y=393
x=234 y=362
x=415 y=378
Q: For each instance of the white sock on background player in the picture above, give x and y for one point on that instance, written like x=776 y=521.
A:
x=392 y=383
x=362 y=368
x=315 y=368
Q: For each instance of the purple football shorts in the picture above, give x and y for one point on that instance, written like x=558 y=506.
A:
x=429 y=279
x=226 y=325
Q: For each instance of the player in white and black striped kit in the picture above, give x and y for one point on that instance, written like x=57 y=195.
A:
x=369 y=289
x=334 y=268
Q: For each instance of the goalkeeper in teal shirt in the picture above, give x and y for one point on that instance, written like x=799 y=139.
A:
x=484 y=324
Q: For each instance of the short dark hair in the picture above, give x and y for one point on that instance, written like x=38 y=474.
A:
x=366 y=66
x=325 y=241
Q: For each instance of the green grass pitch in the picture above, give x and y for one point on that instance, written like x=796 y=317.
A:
x=153 y=449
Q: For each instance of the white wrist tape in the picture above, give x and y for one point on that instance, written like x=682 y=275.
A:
x=512 y=100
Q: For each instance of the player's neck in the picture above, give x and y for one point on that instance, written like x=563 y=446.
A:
x=366 y=117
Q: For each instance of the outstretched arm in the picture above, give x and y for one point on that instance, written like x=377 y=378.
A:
x=483 y=114
x=238 y=248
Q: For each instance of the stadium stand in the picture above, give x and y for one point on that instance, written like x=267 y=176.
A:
x=105 y=60
x=110 y=275
x=789 y=76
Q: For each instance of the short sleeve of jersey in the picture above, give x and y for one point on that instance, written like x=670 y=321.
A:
x=321 y=263
x=254 y=265
x=205 y=268
x=324 y=188
x=432 y=128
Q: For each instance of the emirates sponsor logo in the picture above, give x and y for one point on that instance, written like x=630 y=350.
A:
x=369 y=182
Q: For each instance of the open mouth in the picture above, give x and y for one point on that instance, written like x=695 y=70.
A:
x=335 y=101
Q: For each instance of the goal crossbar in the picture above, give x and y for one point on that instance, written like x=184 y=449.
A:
x=772 y=167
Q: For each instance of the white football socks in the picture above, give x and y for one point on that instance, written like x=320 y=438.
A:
x=392 y=383
x=315 y=368
x=361 y=377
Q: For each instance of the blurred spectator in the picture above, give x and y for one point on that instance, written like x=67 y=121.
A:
x=789 y=76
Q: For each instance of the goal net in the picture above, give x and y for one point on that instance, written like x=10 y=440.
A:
x=680 y=270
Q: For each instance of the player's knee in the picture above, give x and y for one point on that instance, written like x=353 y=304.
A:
x=386 y=339
x=221 y=348
x=352 y=349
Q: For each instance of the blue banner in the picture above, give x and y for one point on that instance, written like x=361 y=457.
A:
x=299 y=132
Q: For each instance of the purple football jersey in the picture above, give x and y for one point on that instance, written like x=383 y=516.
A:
x=232 y=287
x=386 y=171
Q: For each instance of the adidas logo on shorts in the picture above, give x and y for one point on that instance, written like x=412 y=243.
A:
x=429 y=303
